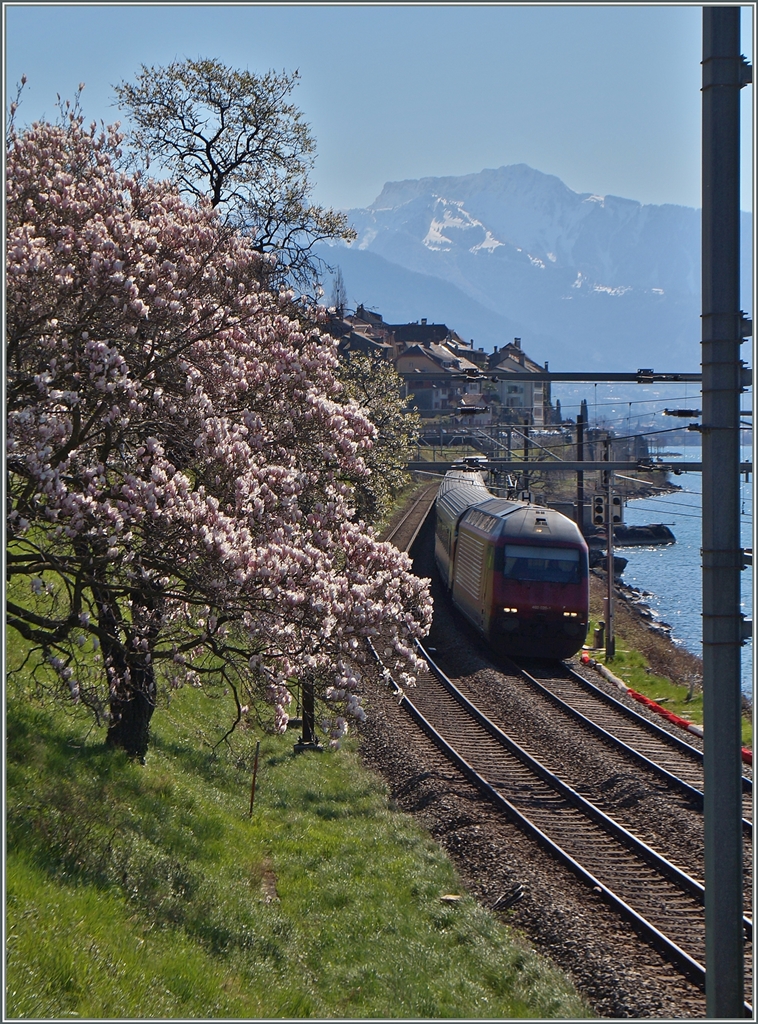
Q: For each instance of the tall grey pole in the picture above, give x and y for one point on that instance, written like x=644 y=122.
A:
x=723 y=76
x=580 y=474
x=610 y=635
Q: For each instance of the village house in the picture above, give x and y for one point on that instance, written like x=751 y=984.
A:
x=527 y=400
x=420 y=350
x=419 y=359
x=366 y=334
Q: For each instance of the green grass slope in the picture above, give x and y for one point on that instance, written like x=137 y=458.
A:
x=148 y=891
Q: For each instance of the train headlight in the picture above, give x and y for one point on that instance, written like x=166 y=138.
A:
x=570 y=615
x=511 y=611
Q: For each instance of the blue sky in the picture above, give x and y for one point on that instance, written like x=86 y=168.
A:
x=605 y=97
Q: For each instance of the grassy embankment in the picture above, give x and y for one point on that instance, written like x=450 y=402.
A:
x=148 y=891
x=664 y=687
x=651 y=664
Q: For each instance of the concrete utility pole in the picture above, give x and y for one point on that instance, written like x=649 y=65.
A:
x=580 y=475
x=723 y=328
x=610 y=636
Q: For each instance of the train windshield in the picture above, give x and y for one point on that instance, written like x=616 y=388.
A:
x=546 y=565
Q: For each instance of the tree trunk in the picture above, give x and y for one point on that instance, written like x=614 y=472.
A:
x=130 y=669
x=132 y=705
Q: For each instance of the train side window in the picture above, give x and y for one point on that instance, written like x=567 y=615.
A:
x=499 y=558
x=483 y=521
x=443 y=532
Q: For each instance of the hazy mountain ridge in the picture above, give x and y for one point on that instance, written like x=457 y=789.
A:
x=600 y=279
x=402 y=296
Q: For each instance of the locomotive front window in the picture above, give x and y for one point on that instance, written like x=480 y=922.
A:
x=540 y=564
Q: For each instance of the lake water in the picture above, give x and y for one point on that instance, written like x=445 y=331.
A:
x=672 y=573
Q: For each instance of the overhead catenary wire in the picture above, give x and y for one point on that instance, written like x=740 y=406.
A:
x=657 y=487
x=684 y=515
x=623 y=401
x=663 y=501
x=551 y=448
x=746 y=517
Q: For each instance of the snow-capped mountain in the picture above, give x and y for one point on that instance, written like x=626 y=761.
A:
x=603 y=283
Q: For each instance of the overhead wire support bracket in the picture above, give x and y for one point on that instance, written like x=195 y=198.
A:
x=643 y=376
x=573 y=466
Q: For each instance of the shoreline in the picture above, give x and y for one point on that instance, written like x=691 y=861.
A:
x=637 y=624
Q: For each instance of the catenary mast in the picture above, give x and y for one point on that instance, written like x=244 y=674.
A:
x=723 y=326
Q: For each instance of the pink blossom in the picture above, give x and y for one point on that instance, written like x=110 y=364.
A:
x=171 y=427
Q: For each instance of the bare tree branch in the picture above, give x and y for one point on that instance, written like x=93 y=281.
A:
x=234 y=137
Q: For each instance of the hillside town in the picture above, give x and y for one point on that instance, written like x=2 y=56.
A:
x=423 y=351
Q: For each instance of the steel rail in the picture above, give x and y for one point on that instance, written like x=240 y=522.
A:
x=687 y=964
x=675 y=874
x=658 y=769
x=676 y=741
x=396 y=529
x=673 y=952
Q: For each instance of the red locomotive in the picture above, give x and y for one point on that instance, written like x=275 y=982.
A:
x=518 y=572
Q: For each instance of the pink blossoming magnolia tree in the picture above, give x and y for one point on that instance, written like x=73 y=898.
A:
x=178 y=457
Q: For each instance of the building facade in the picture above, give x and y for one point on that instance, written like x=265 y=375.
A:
x=445 y=374
x=526 y=399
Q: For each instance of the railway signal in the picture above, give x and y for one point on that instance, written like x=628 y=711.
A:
x=617 y=510
x=599 y=510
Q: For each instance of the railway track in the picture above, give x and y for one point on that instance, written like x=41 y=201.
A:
x=403 y=533
x=662 y=902
x=679 y=763
x=622 y=774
